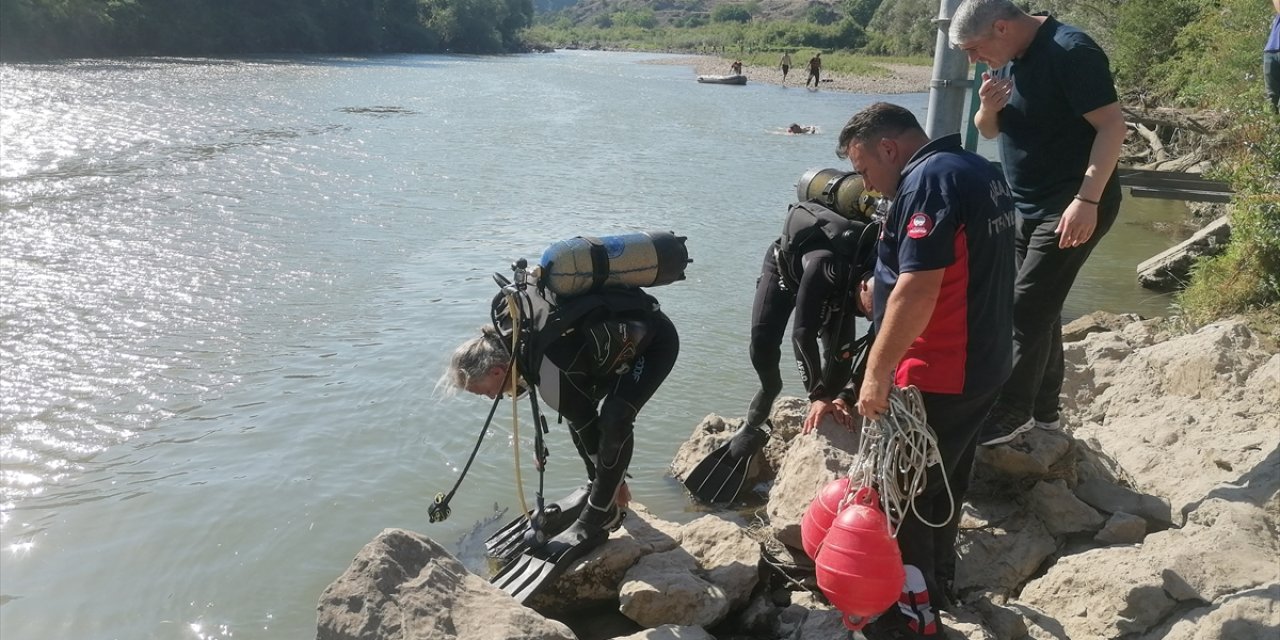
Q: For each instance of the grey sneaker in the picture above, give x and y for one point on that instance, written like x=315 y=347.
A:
x=1003 y=425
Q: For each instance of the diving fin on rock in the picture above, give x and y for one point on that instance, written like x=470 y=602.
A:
x=534 y=568
x=507 y=542
x=721 y=475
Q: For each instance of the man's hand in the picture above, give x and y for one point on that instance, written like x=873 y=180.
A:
x=865 y=297
x=993 y=95
x=873 y=397
x=1077 y=224
x=819 y=409
x=994 y=92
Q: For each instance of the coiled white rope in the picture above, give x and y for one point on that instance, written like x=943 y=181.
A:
x=894 y=452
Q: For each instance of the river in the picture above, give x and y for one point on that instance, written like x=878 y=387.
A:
x=228 y=287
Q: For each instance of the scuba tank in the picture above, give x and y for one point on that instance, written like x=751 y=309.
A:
x=588 y=264
x=840 y=191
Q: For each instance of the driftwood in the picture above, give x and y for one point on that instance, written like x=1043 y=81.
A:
x=1169 y=139
x=1157 y=147
x=1201 y=122
x=1190 y=162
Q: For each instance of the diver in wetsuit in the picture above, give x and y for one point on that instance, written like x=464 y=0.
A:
x=819 y=285
x=815 y=269
x=597 y=376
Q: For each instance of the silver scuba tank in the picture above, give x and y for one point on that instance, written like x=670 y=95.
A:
x=587 y=264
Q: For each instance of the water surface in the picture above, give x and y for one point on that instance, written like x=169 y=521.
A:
x=229 y=287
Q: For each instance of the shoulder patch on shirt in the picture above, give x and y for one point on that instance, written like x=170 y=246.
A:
x=919 y=225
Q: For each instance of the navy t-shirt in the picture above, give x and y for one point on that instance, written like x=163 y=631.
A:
x=954 y=212
x=1044 y=138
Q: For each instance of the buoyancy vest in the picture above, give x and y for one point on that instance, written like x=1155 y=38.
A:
x=545 y=317
x=810 y=226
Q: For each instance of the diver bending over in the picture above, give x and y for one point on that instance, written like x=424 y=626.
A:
x=815 y=276
x=597 y=375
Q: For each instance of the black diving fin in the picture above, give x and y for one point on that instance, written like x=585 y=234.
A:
x=535 y=567
x=721 y=475
x=536 y=528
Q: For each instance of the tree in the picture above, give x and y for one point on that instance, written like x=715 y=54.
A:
x=730 y=13
x=54 y=28
x=642 y=18
x=904 y=27
x=820 y=14
x=860 y=11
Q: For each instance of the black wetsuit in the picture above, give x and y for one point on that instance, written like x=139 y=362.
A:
x=818 y=286
x=598 y=377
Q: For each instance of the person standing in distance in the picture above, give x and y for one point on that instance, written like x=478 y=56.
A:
x=943 y=316
x=785 y=63
x=1050 y=102
x=815 y=70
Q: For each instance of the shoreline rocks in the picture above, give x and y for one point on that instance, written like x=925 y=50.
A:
x=1153 y=514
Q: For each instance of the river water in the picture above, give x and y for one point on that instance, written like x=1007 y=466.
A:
x=229 y=287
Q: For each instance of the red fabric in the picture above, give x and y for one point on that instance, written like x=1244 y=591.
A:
x=935 y=362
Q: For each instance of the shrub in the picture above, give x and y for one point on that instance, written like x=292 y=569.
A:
x=730 y=13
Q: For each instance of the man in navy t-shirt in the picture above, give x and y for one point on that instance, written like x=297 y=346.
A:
x=1051 y=104
x=943 y=314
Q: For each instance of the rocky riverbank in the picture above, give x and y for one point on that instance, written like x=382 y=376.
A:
x=1153 y=514
x=903 y=78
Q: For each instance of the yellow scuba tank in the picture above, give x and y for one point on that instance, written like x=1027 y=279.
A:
x=587 y=264
x=839 y=191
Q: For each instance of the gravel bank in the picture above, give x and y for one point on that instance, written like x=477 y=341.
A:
x=905 y=78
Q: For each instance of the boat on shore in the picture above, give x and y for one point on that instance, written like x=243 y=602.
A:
x=730 y=79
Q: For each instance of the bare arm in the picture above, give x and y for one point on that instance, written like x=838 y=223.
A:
x=1109 y=123
x=993 y=96
x=1081 y=218
x=1276 y=4
x=908 y=312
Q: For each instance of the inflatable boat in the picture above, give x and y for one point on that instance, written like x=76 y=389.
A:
x=734 y=79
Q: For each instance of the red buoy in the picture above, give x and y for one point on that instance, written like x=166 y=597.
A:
x=820 y=514
x=859 y=565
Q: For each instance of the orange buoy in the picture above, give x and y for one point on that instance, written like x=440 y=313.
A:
x=820 y=514
x=859 y=566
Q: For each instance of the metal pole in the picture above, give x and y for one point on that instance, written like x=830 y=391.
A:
x=971 y=131
x=950 y=79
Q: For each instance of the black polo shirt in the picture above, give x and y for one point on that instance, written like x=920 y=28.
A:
x=1044 y=139
x=953 y=211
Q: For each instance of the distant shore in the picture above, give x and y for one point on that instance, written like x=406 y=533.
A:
x=905 y=78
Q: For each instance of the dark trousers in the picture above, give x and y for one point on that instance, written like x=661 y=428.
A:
x=928 y=552
x=769 y=315
x=1045 y=276
x=1271 y=77
x=608 y=434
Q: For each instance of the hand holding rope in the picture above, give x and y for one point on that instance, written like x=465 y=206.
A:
x=894 y=453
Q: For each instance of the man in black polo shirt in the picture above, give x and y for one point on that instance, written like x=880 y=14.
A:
x=1052 y=104
x=943 y=313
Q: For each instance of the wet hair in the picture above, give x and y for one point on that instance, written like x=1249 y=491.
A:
x=880 y=120
x=474 y=358
x=973 y=19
